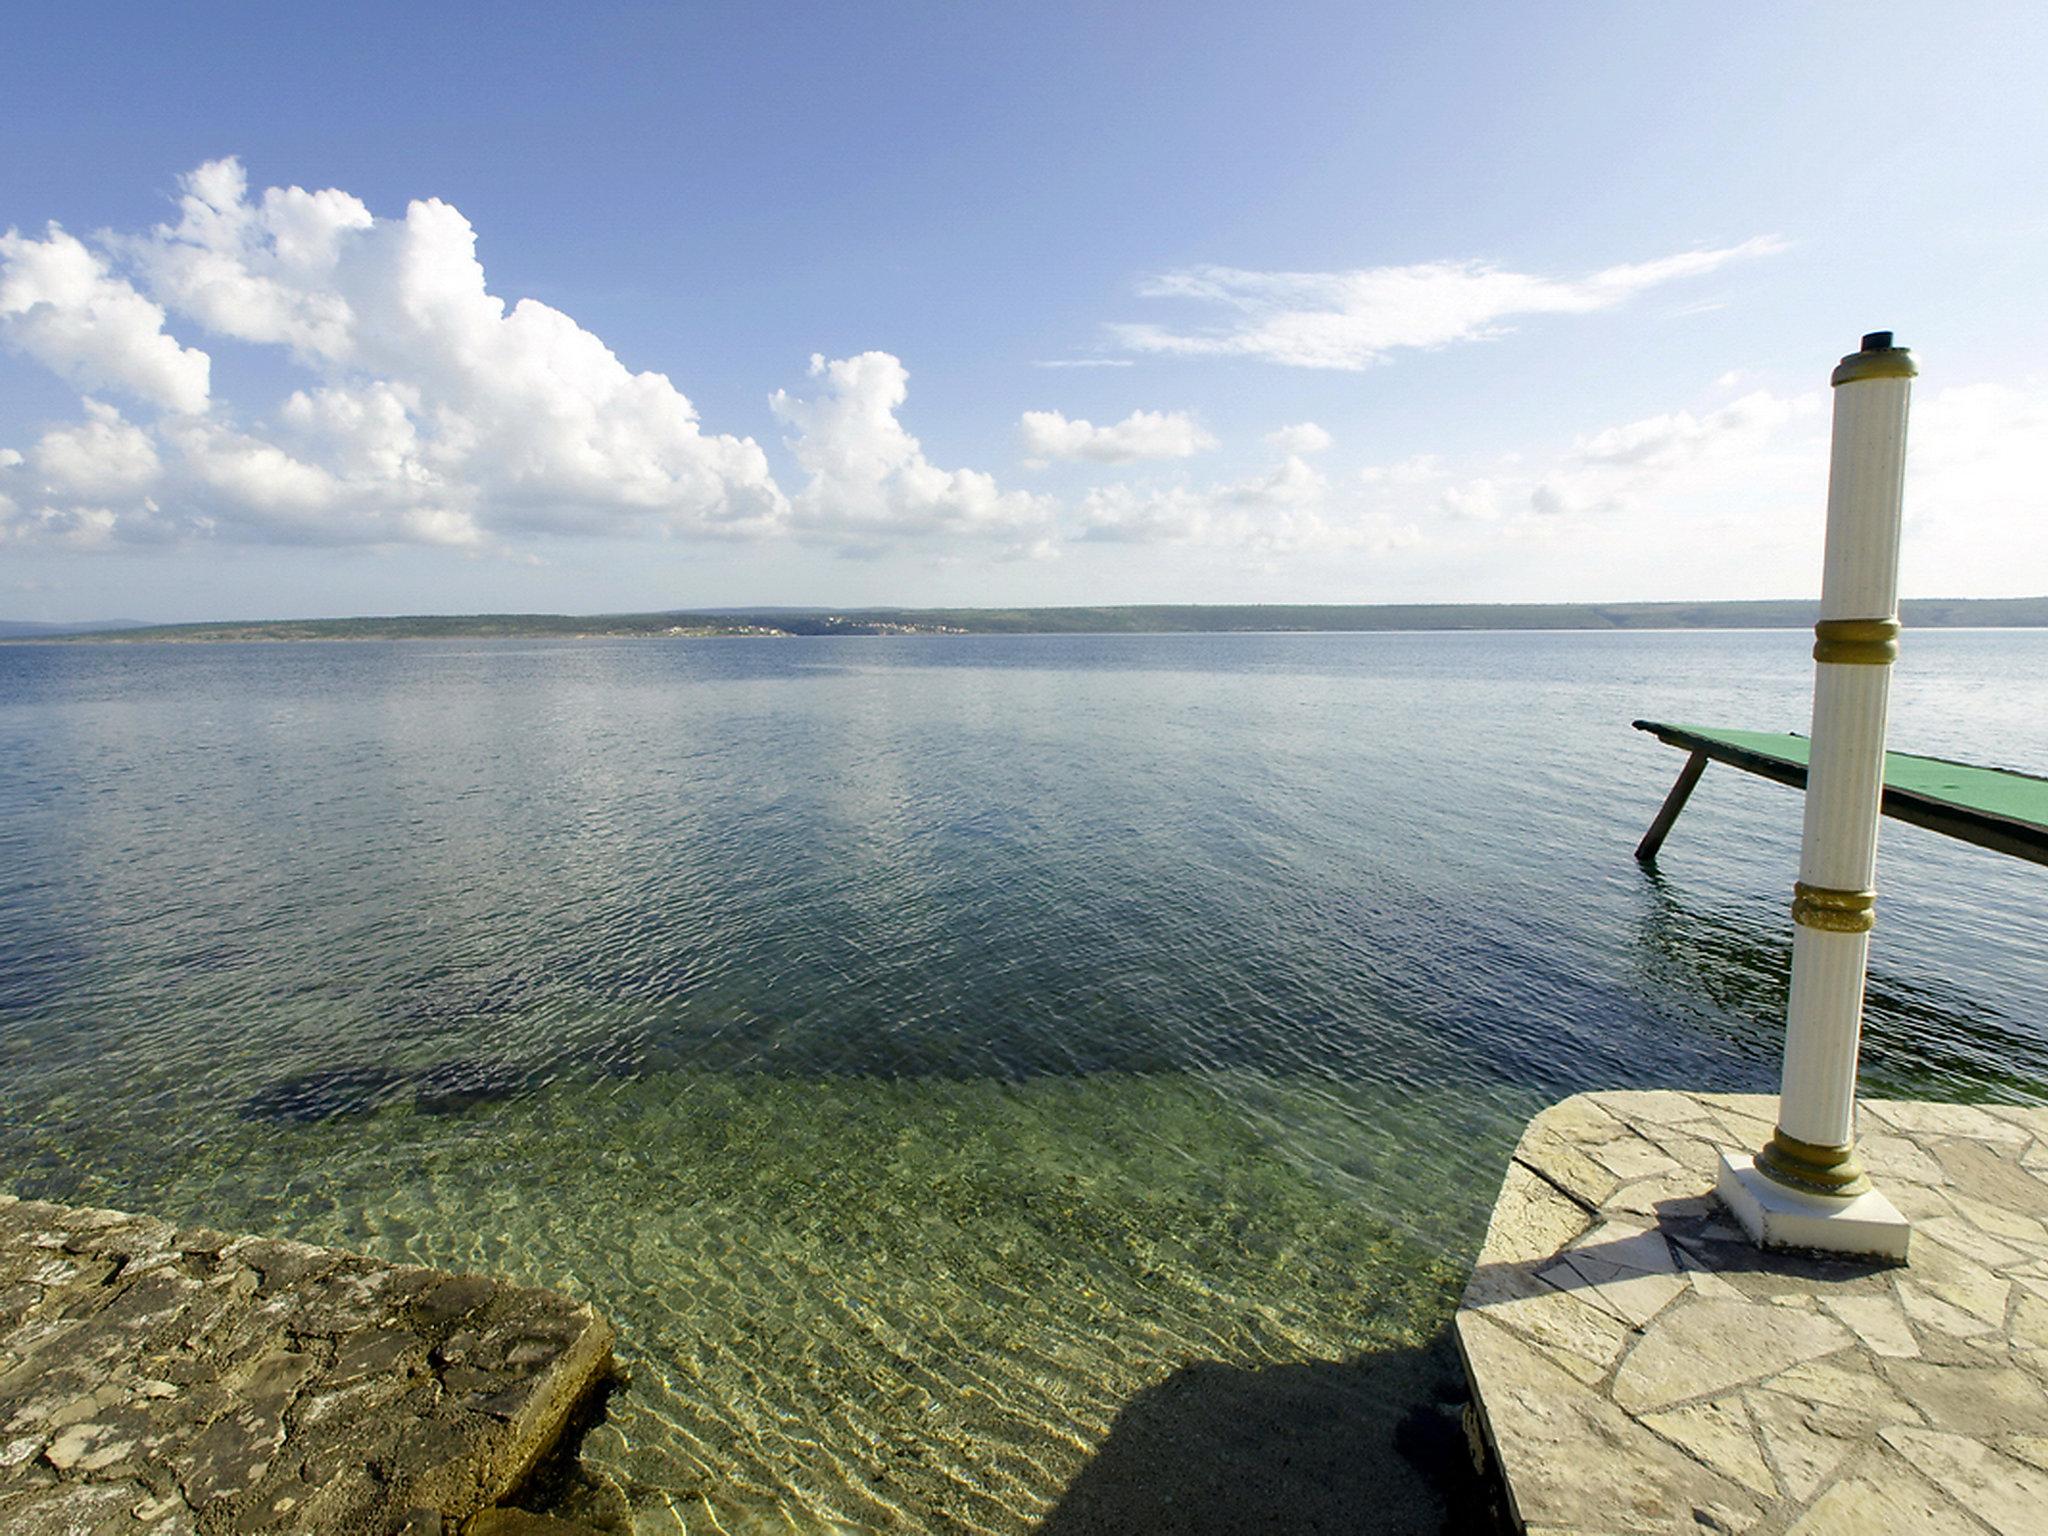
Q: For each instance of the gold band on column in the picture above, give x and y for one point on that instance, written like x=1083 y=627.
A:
x=1832 y=911
x=1880 y=363
x=1857 y=642
x=1810 y=1166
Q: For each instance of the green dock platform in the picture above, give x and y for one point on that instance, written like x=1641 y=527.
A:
x=1997 y=808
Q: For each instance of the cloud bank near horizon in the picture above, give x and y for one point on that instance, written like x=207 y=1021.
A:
x=433 y=412
x=424 y=410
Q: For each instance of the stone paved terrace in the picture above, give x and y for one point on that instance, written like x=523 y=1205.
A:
x=181 y=1382
x=1638 y=1366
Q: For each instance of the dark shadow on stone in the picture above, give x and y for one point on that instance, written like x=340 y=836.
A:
x=1365 y=1447
x=315 y=1096
x=1702 y=1237
x=563 y=1487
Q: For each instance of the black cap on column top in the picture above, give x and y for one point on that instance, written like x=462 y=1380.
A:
x=1877 y=341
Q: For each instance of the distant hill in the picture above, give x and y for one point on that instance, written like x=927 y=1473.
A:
x=30 y=629
x=1923 y=613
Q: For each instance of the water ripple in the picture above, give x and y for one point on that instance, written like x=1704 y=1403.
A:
x=930 y=1052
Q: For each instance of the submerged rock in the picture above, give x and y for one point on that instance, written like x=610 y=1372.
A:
x=326 y=1094
x=454 y=1086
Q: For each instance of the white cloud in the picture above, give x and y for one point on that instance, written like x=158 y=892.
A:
x=437 y=413
x=101 y=457
x=425 y=409
x=870 y=479
x=1140 y=435
x=1302 y=437
x=62 y=305
x=29 y=516
x=1353 y=319
x=368 y=433
x=275 y=270
x=74 y=527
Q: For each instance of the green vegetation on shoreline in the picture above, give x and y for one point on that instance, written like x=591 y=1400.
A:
x=1221 y=618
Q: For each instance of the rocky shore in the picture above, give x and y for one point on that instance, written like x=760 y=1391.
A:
x=184 y=1382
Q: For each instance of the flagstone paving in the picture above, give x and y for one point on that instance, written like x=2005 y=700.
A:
x=1638 y=1366
x=181 y=1382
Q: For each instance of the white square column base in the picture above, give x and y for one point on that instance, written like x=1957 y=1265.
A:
x=1867 y=1225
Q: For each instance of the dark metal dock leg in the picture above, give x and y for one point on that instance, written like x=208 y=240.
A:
x=1689 y=775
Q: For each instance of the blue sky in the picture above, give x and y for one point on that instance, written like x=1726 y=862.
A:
x=1347 y=304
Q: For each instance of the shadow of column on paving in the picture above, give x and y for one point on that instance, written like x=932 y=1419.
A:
x=1365 y=1446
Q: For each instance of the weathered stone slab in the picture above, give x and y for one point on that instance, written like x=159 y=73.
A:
x=1556 y=1420
x=1637 y=1365
x=1720 y=1434
x=2009 y=1497
x=1710 y=1346
x=1885 y=1497
x=157 y=1380
x=1879 y=1321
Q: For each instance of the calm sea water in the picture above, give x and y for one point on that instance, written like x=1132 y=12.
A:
x=991 y=1083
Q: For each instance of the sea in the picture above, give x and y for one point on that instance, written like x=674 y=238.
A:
x=992 y=1083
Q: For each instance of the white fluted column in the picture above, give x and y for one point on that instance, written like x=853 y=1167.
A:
x=1811 y=1158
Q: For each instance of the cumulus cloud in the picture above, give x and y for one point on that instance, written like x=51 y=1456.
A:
x=102 y=457
x=1357 y=318
x=72 y=527
x=870 y=479
x=273 y=270
x=1302 y=437
x=436 y=412
x=1140 y=435
x=431 y=410
x=62 y=304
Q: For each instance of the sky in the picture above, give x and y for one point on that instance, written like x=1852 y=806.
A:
x=320 y=310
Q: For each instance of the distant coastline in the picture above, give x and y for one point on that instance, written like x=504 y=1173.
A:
x=1147 y=619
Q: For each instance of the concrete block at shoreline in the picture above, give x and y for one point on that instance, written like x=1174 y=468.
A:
x=180 y=1380
x=1638 y=1366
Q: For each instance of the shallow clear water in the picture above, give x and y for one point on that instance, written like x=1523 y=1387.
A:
x=965 y=1069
